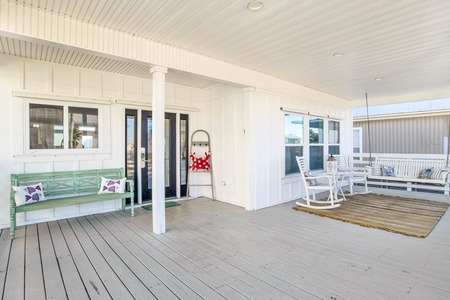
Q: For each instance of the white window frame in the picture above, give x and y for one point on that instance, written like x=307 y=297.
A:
x=357 y=131
x=306 y=144
x=339 y=138
x=65 y=106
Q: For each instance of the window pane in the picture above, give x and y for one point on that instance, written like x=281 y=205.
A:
x=293 y=129
x=83 y=128
x=333 y=132
x=316 y=131
x=290 y=163
x=335 y=150
x=357 y=140
x=46 y=126
x=316 y=157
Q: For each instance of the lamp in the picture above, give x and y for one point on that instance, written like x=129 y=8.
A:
x=331 y=164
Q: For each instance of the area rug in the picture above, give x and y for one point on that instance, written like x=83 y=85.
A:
x=168 y=204
x=410 y=217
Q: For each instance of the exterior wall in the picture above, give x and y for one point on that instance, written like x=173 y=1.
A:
x=246 y=127
x=248 y=144
x=111 y=93
x=420 y=135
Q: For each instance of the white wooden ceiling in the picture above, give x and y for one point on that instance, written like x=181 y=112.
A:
x=405 y=43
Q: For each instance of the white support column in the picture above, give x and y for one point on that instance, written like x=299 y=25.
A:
x=158 y=186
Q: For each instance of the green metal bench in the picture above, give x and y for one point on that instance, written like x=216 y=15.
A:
x=68 y=188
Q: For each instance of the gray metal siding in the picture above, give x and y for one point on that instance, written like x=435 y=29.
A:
x=423 y=135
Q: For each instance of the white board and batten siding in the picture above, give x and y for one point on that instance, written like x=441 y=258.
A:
x=248 y=144
x=25 y=80
x=246 y=127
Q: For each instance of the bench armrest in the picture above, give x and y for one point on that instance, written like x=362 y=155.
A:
x=130 y=185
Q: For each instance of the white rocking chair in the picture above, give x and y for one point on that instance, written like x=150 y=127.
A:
x=323 y=183
x=351 y=175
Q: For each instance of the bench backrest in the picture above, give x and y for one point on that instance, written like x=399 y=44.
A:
x=69 y=182
x=410 y=167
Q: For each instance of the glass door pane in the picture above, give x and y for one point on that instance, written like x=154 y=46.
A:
x=131 y=153
x=184 y=130
x=169 y=155
x=146 y=155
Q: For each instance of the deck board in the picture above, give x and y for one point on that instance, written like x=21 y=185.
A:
x=213 y=250
x=208 y=261
x=14 y=284
x=54 y=286
x=115 y=286
x=188 y=263
x=92 y=283
x=5 y=245
x=155 y=286
x=73 y=284
x=155 y=260
x=269 y=262
x=165 y=256
x=240 y=247
x=34 y=280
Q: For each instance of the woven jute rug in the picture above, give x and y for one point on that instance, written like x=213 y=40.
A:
x=410 y=217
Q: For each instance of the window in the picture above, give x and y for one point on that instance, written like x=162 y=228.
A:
x=316 y=143
x=52 y=125
x=293 y=141
x=334 y=134
x=83 y=128
x=323 y=137
x=357 y=140
x=46 y=126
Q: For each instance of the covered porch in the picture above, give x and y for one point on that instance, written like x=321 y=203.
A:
x=214 y=250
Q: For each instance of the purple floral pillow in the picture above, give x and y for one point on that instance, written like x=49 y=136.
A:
x=109 y=186
x=28 y=194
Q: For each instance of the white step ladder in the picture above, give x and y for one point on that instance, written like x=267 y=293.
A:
x=200 y=145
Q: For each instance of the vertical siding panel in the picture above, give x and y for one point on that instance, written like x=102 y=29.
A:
x=41 y=20
x=100 y=40
x=80 y=33
x=34 y=24
x=89 y=33
x=15 y=18
x=4 y=11
x=53 y=27
x=418 y=135
x=72 y=33
x=95 y=37
x=115 y=43
x=121 y=44
x=109 y=46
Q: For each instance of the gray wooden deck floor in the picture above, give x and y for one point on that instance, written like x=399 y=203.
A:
x=213 y=250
